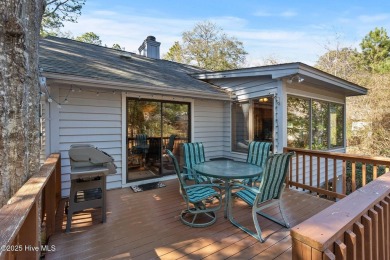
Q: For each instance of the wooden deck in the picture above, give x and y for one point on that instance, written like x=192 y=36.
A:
x=146 y=225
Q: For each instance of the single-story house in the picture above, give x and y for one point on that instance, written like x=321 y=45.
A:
x=109 y=98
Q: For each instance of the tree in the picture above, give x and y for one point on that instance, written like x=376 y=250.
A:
x=89 y=37
x=59 y=11
x=175 y=53
x=208 y=47
x=343 y=62
x=19 y=93
x=116 y=46
x=376 y=50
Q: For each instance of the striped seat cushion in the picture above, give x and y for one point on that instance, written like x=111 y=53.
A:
x=193 y=154
x=198 y=178
x=246 y=195
x=196 y=193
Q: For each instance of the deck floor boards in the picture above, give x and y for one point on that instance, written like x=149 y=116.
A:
x=146 y=225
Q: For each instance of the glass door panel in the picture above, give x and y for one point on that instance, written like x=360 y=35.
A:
x=175 y=131
x=152 y=127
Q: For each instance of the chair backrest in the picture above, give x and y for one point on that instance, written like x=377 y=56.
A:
x=176 y=167
x=258 y=153
x=274 y=175
x=141 y=139
x=193 y=154
x=171 y=142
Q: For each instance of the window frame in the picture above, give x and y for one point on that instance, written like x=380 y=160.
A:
x=329 y=129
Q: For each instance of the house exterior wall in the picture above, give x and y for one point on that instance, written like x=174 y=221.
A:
x=209 y=126
x=99 y=120
x=86 y=118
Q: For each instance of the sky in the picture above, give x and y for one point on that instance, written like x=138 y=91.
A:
x=285 y=30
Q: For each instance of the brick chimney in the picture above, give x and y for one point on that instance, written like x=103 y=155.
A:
x=150 y=48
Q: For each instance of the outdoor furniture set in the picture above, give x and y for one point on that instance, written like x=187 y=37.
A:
x=259 y=182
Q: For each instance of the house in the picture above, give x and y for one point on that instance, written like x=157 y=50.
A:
x=106 y=97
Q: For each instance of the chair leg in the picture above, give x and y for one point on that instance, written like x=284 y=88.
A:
x=243 y=228
x=283 y=222
x=192 y=223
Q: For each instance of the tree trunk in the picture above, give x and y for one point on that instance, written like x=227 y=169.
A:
x=19 y=93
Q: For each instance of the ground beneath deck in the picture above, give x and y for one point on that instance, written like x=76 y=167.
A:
x=146 y=225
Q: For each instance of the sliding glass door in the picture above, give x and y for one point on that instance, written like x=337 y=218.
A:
x=152 y=127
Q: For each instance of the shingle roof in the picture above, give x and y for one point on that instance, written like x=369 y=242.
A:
x=69 y=57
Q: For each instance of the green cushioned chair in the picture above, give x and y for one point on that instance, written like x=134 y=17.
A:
x=193 y=154
x=258 y=152
x=267 y=194
x=199 y=198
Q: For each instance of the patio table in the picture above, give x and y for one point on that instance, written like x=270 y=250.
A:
x=228 y=170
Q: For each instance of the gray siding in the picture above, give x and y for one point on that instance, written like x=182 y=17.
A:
x=92 y=119
x=208 y=120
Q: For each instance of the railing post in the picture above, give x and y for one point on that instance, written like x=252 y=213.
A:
x=28 y=238
x=50 y=201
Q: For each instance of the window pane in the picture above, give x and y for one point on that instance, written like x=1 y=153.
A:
x=320 y=112
x=263 y=118
x=298 y=125
x=240 y=127
x=336 y=125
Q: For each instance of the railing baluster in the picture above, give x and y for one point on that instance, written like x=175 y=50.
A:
x=326 y=174
x=367 y=223
x=353 y=176
x=364 y=174
x=374 y=171
x=358 y=230
x=386 y=205
x=304 y=169
x=297 y=169
x=318 y=172
x=350 y=242
x=344 y=177
x=375 y=219
x=334 y=184
x=381 y=234
x=340 y=250
x=311 y=170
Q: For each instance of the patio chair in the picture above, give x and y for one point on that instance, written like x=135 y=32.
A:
x=171 y=142
x=170 y=145
x=258 y=153
x=193 y=154
x=268 y=194
x=196 y=196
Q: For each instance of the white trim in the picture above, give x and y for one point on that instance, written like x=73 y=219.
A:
x=165 y=178
x=124 y=138
x=158 y=97
x=54 y=121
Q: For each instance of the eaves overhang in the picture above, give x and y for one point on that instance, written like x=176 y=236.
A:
x=131 y=86
x=282 y=71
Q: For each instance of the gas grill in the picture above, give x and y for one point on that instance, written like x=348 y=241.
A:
x=89 y=169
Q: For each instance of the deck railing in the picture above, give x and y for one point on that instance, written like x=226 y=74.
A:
x=33 y=206
x=325 y=173
x=356 y=227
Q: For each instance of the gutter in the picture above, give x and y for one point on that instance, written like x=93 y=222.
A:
x=98 y=83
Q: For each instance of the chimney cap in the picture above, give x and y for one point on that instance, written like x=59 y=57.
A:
x=151 y=38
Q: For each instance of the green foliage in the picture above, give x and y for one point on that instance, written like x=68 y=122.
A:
x=375 y=50
x=359 y=174
x=116 y=46
x=59 y=11
x=89 y=37
x=175 y=53
x=206 y=46
x=368 y=117
x=340 y=62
